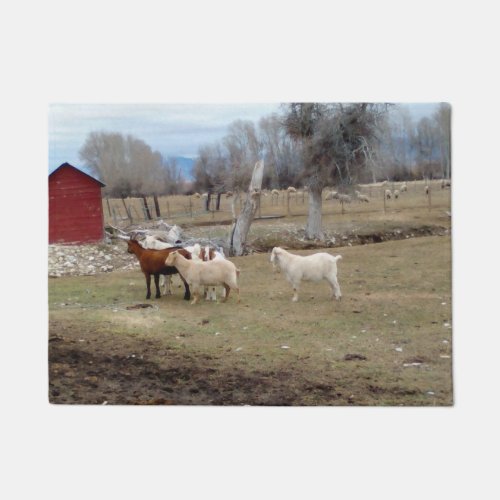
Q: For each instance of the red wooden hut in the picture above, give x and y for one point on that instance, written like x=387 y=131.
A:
x=75 y=207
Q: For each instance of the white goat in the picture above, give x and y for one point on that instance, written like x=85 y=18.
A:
x=331 y=195
x=396 y=194
x=387 y=194
x=315 y=267
x=211 y=273
x=426 y=190
x=404 y=187
x=362 y=197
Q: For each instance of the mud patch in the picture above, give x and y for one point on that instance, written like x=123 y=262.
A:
x=87 y=373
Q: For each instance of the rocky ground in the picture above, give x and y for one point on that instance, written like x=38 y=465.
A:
x=77 y=260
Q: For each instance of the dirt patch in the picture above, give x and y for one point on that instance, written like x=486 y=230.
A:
x=295 y=239
x=96 y=370
x=354 y=357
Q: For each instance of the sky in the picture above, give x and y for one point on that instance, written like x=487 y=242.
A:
x=172 y=129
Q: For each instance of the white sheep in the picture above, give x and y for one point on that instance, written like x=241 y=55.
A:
x=388 y=194
x=396 y=194
x=199 y=254
x=291 y=189
x=404 y=187
x=344 y=198
x=211 y=273
x=426 y=190
x=331 y=195
x=315 y=267
x=362 y=197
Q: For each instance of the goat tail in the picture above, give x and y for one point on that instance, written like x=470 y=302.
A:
x=238 y=272
x=337 y=257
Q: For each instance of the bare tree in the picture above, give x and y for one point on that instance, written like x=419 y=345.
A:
x=442 y=118
x=336 y=142
x=127 y=165
x=282 y=155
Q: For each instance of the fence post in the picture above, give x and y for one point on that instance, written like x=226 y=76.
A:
x=429 y=197
x=135 y=211
x=146 y=208
x=383 y=195
x=157 y=205
x=127 y=211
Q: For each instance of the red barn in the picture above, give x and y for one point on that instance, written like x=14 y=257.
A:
x=75 y=207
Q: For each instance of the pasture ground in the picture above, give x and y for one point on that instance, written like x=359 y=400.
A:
x=388 y=342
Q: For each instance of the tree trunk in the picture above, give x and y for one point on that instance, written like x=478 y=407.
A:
x=235 y=198
x=242 y=226
x=217 y=203
x=313 y=227
x=239 y=233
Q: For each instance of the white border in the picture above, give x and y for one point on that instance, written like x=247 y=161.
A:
x=223 y=51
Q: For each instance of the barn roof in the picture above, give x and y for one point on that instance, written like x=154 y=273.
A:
x=78 y=170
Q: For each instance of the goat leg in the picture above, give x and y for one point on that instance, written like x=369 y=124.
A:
x=187 y=292
x=157 y=285
x=148 y=285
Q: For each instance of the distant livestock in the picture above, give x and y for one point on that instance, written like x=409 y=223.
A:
x=361 y=197
x=331 y=195
x=388 y=194
x=396 y=194
x=315 y=267
x=344 y=198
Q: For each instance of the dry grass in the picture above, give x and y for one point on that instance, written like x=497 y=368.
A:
x=395 y=312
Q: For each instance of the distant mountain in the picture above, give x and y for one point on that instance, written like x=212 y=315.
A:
x=186 y=166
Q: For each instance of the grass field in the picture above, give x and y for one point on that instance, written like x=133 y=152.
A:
x=388 y=342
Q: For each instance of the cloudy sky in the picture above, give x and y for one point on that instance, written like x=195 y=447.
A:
x=172 y=129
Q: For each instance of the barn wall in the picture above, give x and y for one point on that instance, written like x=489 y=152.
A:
x=75 y=208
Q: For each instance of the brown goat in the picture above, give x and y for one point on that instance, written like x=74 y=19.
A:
x=153 y=263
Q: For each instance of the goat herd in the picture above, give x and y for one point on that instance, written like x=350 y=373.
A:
x=206 y=267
